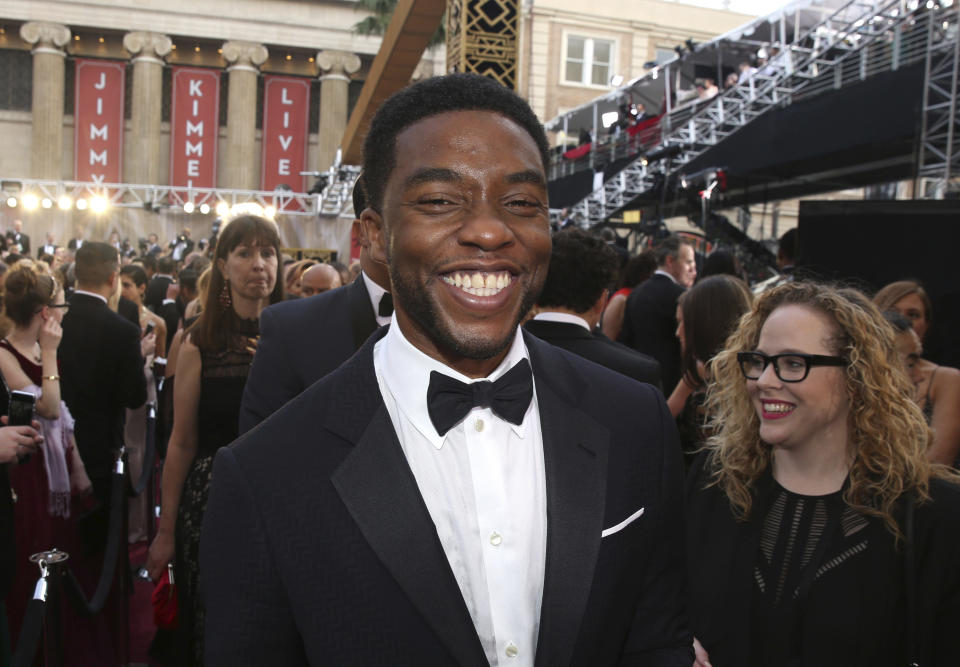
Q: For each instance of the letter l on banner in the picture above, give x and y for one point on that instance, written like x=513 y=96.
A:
x=286 y=119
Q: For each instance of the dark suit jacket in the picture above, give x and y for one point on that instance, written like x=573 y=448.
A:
x=50 y=249
x=128 y=310
x=650 y=325
x=598 y=349
x=101 y=374
x=24 y=241
x=317 y=547
x=721 y=553
x=156 y=292
x=301 y=341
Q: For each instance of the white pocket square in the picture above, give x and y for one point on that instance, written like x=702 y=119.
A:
x=623 y=524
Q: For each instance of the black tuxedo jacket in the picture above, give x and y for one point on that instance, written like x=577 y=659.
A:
x=13 y=238
x=598 y=349
x=650 y=325
x=101 y=374
x=318 y=549
x=300 y=342
x=156 y=292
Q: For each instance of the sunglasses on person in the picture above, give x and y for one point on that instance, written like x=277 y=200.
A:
x=790 y=367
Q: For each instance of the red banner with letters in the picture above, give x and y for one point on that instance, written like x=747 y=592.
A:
x=194 y=128
x=286 y=127
x=98 y=120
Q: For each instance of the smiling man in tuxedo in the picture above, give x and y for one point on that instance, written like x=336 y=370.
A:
x=457 y=493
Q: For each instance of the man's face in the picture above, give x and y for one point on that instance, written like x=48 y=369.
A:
x=466 y=235
x=318 y=279
x=683 y=267
x=18 y=225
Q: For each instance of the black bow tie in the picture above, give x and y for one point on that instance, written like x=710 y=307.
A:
x=449 y=400
x=385 y=307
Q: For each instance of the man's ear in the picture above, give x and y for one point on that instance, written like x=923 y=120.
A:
x=372 y=230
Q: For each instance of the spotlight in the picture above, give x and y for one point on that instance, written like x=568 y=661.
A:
x=46 y=202
x=616 y=80
x=12 y=202
x=64 y=203
x=81 y=204
x=98 y=204
x=204 y=208
x=643 y=162
x=222 y=208
x=188 y=207
x=270 y=211
x=30 y=202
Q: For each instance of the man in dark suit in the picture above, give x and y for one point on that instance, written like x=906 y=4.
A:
x=157 y=287
x=304 y=339
x=650 y=315
x=457 y=492
x=17 y=241
x=101 y=362
x=48 y=248
x=583 y=268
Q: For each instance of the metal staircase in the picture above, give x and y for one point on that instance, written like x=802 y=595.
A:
x=860 y=39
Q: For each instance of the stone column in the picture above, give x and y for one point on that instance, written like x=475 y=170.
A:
x=46 y=149
x=142 y=163
x=240 y=154
x=334 y=98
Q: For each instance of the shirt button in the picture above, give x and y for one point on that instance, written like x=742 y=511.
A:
x=496 y=538
x=479 y=425
x=511 y=651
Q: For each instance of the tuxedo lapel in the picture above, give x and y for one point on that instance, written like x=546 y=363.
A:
x=362 y=318
x=380 y=492
x=575 y=450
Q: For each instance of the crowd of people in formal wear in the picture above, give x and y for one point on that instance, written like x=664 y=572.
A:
x=488 y=442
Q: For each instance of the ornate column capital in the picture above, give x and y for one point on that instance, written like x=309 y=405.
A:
x=337 y=64
x=46 y=37
x=147 y=46
x=244 y=55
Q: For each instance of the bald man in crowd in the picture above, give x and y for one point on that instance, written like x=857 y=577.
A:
x=319 y=278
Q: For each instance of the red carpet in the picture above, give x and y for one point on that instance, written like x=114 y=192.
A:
x=142 y=629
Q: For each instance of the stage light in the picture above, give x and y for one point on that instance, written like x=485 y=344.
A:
x=289 y=57
x=81 y=204
x=64 y=203
x=98 y=204
x=270 y=211
x=222 y=208
x=188 y=207
x=616 y=80
x=609 y=118
x=204 y=208
x=12 y=202
x=30 y=202
x=643 y=162
x=100 y=39
x=46 y=202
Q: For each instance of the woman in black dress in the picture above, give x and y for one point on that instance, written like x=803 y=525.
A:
x=212 y=368
x=818 y=533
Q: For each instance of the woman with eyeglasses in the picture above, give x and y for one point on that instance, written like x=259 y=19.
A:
x=818 y=534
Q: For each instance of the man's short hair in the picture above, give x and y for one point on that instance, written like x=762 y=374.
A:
x=149 y=262
x=166 y=265
x=430 y=97
x=582 y=266
x=188 y=278
x=359 y=197
x=670 y=247
x=95 y=262
x=789 y=245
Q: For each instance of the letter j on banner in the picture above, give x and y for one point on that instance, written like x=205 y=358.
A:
x=194 y=129
x=286 y=118
x=98 y=120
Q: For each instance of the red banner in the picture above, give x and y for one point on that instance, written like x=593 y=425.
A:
x=194 y=127
x=98 y=120
x=286 y=121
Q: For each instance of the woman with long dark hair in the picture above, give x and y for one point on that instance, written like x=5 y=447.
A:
x=212 y=368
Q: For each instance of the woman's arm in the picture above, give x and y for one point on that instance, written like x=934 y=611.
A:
x=612 y=322
x=48 y=404
x=945 y=395
x=181 y=451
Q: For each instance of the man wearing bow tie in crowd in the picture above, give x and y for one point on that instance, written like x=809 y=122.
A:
x=458 y=492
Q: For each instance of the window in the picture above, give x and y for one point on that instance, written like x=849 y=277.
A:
x=664 y=54
x=589 y=61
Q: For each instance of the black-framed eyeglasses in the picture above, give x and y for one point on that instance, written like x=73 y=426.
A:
x=790 y=367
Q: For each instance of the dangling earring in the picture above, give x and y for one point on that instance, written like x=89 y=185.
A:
x=224 y=298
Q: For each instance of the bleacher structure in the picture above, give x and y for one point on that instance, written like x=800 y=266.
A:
x=846 y=45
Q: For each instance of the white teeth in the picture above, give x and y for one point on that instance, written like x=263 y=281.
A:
x=479 y=284
x=777 y=407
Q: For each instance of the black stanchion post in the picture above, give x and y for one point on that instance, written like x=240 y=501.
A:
x=47 y=592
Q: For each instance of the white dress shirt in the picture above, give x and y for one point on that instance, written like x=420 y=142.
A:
x=484 y=486
x=661 y=272
x=376 y=293
x=565 y=318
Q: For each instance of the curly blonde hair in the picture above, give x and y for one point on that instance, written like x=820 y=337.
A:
x=887 y=429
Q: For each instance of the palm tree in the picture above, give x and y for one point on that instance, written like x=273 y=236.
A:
x=382 y=12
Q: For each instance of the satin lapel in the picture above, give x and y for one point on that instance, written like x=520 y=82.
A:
x=362 y=319
x=378 y=488
x=575 y=449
